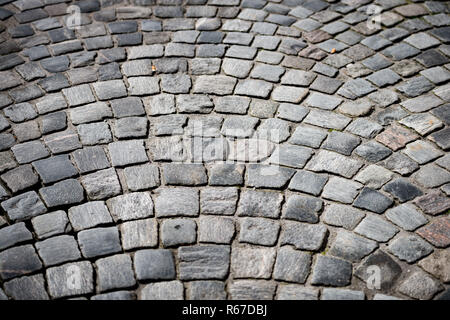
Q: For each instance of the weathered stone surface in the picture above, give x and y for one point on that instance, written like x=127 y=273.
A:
x=331 y=271
x=176 y=202
x=142 y=177
x=263 y=176
x=154 y=264
x=341 y=294
x=24 y=206
x=51 y=224
x=127 y=152
x=341 y=190
x=437 y=265
x=433 y=203
x=437 y=232
x=89 y=215
x=334 y=163
x=352 y=247
x=406 y=216
x=374 y=176
x=410 y=248
x=18 y=261
x=204 y=262
x=184 y=174
x=252 y=262
x=99 y=242
x=139 y=234
x=303 y=236
x=258 y=231
x=170 y=290
x=372 y=200
x=420 y=285
x=55 y=168
x=342 y=216
x=60 y=281
x=58 y=249
x=14 y=234
x=402 y=190
x=114 y=272
x=216 y=229
x=226 y=174
x=101 y=184
x=175 y=232
x=243 y=147
x=218 y=201
x=259 y=204
x=90 y=113
x=292 y=265
x=374 y=227
x=390 y=269
x=308 y=136
x=27 y=288
x=206 y=290
x=302 y=208
x=252 y=290
x=20 y=178
x=90 y=159
x=63 y=141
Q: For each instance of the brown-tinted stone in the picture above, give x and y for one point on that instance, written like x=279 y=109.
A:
x=437 y=232
x=433 y=203
x=438 y=265
x=411 y=10
x=396 y=137
x=316 y=36
x=313 y=52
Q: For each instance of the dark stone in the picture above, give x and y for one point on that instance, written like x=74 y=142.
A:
x=390 y=270
x=402 y=190
x=372 y=200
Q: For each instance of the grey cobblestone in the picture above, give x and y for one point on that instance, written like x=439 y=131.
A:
x=101 y=157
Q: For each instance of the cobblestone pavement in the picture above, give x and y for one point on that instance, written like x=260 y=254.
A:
x=333 y=118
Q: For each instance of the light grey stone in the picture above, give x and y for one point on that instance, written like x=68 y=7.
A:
x=342 y=216
x=218 y=230
x=258 y=231
x=175 y=232
x=60 y=281
x=204 y=262
x=102 y=184
x=303 y=236
x=114 y=272
x=154 y=264
x=89 y=215
x=58 y=249
x=51 y=224
x=170 y=290
x=99 y=242
x=259 y=204
x=406 y=216
x=176 y=202
x=252 y=262
x=218 y=201
x=376 y=228
x=139 y=234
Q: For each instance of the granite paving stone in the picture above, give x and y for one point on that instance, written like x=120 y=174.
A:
x=101 y=184
x=99 y=241
x=351 y=247
x=224 y=149
x=154 y=264
x=410 y=248
x=375 y=228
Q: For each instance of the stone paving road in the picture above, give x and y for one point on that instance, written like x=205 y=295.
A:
x=333 y=118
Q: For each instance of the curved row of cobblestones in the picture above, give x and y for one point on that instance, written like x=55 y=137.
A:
x=224 y=149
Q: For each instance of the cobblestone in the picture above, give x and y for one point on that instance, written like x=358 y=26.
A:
x=101 y=159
